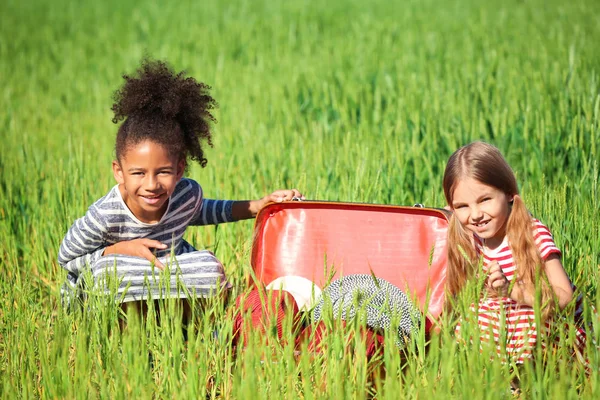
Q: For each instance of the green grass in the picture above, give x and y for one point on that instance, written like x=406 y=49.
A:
x=346 y=100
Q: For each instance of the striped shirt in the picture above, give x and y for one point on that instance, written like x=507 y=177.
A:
x=511 y=325
x=109 y=221
x=503 y=254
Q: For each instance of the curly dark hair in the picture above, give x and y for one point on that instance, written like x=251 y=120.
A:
x=166 y=108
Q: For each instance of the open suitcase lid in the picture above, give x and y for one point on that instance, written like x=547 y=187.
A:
x=322 y=241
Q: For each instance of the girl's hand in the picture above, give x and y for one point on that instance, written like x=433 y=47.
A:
x=497 y=281
x=138 y=248
x=276 y=197
x=249 y=208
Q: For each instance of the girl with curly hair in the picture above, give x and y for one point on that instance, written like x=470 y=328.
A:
x=139 y=224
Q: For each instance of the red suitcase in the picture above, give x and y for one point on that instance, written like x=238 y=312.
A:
x=322 y=241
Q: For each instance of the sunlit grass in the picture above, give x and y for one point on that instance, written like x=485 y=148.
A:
x=346 y=100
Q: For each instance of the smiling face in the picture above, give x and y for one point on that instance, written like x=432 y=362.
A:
x=147 y=175
x=482 y=209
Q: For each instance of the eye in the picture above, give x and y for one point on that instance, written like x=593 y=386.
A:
x=485 y=199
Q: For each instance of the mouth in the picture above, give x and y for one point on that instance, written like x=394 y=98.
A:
x=480 y=224
x=151 y=199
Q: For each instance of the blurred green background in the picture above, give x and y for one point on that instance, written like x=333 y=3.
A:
x=346 y=100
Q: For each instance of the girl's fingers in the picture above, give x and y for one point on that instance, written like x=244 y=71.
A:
x=495 y=273
x=286 y=195
x=499 y=283
x=158 y=264
x=155 y=244
x=496 y=279
x=494 y=267
x=147 y=254
x=296 y=193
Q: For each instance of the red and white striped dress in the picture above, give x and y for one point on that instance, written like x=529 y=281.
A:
x=512 y=325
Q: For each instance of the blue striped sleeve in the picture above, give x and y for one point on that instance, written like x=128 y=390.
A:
x=213 y=212
x=84 y=242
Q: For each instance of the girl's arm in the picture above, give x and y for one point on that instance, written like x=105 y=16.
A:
x=84 y=242
x=78 y=264
x=81 y=247
x=249 y=208
x=214 y=212
x=558 y=279
x=141 y=247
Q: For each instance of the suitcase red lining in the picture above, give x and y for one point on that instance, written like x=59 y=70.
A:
x=325 y=240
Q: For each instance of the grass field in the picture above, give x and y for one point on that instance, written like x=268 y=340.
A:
x=346 y=100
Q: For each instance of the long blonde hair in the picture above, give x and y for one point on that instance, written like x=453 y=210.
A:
x=484 y=163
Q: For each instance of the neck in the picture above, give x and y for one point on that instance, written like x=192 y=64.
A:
x=493 y=243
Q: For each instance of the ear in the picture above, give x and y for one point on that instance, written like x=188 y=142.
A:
x=117 y=172
x=511 y=198
x=181 y=168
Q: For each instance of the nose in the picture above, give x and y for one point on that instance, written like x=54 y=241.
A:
x=151 y=183
x=476 y=213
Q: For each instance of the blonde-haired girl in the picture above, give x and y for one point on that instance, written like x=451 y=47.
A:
x=491 y=223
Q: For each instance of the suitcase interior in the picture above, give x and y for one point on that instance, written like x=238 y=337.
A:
x=322 y=241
